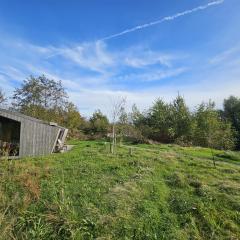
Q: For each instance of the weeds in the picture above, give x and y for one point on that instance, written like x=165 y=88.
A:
x=170 y=193
x=176 y=180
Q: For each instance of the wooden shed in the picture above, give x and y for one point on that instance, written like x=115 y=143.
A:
x=24 y=136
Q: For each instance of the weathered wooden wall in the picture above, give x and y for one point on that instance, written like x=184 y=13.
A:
x=36 y=136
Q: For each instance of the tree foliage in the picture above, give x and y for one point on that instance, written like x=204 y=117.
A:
x=98 y=123
x=2 y=96
x=164 y=122
x=209 y=130
x=169 y=121
x=38 y=94
x=231 y=112
x=160 y=121
x=46 y=99
x=173 y=122
x=181 y=118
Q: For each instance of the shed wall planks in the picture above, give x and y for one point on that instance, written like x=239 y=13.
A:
x=36 y=136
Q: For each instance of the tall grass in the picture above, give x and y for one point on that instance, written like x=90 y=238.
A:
x=88 y=193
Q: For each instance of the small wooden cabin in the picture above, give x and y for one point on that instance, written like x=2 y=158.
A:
x=21 y=135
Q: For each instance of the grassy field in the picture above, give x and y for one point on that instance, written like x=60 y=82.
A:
x=158 y=192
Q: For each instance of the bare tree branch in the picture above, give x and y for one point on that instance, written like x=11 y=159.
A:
x=117 y=105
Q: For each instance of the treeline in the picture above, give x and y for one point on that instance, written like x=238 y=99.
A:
x=175 y=123
x=163 y=122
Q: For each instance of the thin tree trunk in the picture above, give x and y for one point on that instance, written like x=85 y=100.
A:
x=113 y=137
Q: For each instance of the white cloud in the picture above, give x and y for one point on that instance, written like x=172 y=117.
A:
x=105 y=72
x=151 y=75
x=95 y=56
x=194 y=94
x=227 y=55
x=13 y=73
x=90 y=64
x=5 y=85
x=92 y=56
x=144 y=58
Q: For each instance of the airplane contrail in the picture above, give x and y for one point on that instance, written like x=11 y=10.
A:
x=146 y=25
x=169 y=18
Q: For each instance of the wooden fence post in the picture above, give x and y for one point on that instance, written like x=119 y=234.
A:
x=106 y=148
x=111 y=148
x=130 y=151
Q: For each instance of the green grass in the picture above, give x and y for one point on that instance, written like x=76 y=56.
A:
x=160 y=192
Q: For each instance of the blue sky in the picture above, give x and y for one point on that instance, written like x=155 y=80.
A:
x=194 y=51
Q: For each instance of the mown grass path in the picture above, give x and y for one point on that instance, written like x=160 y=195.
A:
x=88 y=193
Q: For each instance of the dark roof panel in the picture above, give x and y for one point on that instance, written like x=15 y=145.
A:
x=20 y=115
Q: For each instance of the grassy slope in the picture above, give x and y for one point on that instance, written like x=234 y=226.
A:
x=172 y=193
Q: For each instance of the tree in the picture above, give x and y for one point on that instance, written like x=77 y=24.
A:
x=140 y=121
x=210 y=130
x=181 y=120
x=2 y=97
x=231 y=112
x=173 y=122
x=42 y=98
x=160 y=122
x=99 y=123
x=123 y=124
x=135 y=115
x=27 y=98
x=165 y=122
x=73 y=119
x=117 y=106
x=46 y=99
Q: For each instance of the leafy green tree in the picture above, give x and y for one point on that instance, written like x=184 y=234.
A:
x=42 y=98
x=174 y=122
x=73 y=120
x=170 y=122
x=27 y=98
x=232 y=113
x=210 y=130
x=181 y=119
x=134 y=127
x=135 y=115
x=99 y=123
x=140 y=121
x=165 y=122
x=39 y=93
x=160 y=119
x=46 y=99
x=125 y=127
